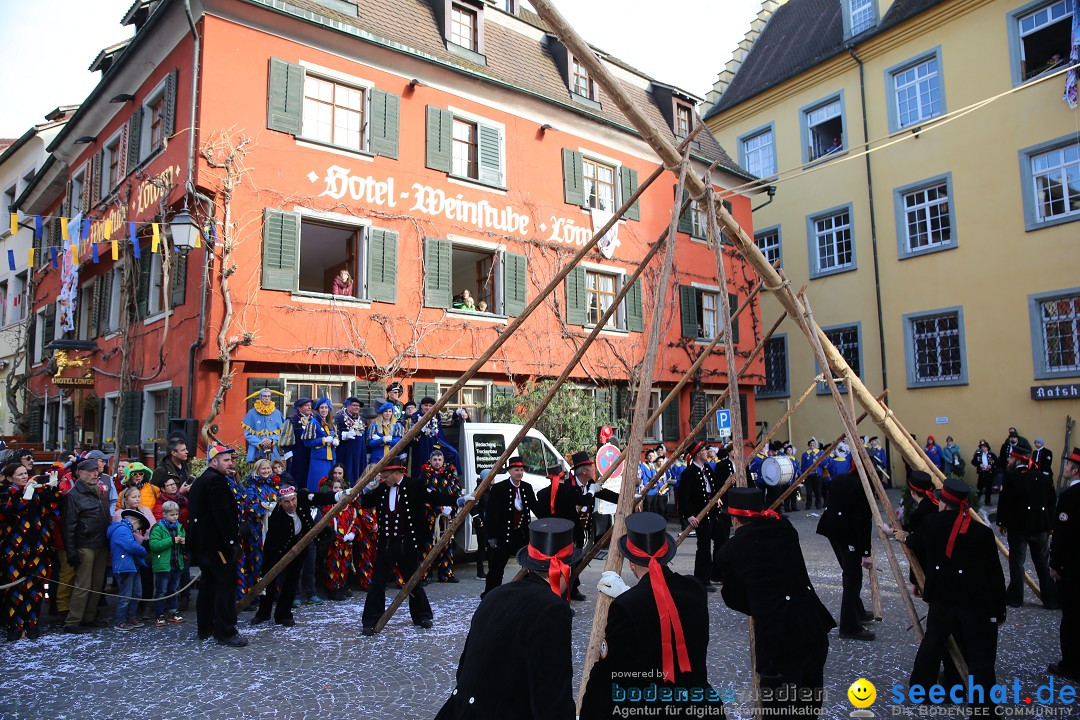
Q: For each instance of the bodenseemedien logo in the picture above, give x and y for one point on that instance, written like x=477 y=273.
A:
x=862 y=694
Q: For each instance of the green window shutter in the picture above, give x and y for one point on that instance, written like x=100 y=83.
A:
x=285 y=98
x=621 y=402
x=733 y=305
x=382 y=265
x=686 y=220
x=93 y=182
x=575 y=297
x=385 y=118
x=421 y=390
x=134 y=138
x=37 y=417
x=169 y=114
x=131 y=418
x=515 y=286
x=635 y=310
x=688 y=308
x=628 y=178
x=48 y=329
x=179 y=279
x=105 y=303
x=175 y=408
x=281 y=240
x=573 y=180
x=603 y=405
x=95 y=301
x=670 y=417
x=255 y=384
x=440 y=125
x=489 y=152
x=438 y=273
x=369 y=393
x=142 y=302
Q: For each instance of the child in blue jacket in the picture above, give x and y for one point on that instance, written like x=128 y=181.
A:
x=128 y=554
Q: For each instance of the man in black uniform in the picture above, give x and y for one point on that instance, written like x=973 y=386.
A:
x=965 y=589
x=1065 y=567
x=214 y=539
x=401 y=511
x=290 y=521
x=509 y=503
x=1025 y=513
x=517 y=659
x=562 y=499
x=765 y=577
x=583 y=474
x=657 y=633
x=847 y=522
x=696 y=487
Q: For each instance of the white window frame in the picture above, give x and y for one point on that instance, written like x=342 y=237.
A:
x=115 y=287
x=17 y=288
x=766 y=248
x=108 y=148
x=859 y=16
x=478 y=120
x=108 y=417
x=464 y=9
x=657 y=428
x=153 y=298
x=616 y=168
x=146 y=424
x=361 y=225
x=760 y=391
x=497 y=251
x=1043 y=370
x=1017 y=35
x=900 y=199
x=745 y=151
x=806 y=129
x=145 y=150
x=476 y=413
x=911 y=350
x=813 y=235
x=78 y=181
x=926 y=113
x=365 y=86
x=84 y=308
x=39 y=336
x=1033 y=217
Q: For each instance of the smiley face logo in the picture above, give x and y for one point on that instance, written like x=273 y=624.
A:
x=862 y=693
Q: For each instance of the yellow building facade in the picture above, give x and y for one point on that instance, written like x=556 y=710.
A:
x=945 y=264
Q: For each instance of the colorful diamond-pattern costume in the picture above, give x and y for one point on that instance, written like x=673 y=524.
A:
x=24 y=553
x=444 y=480
x=259 y=498
x=339 y=553
x=363 y=554
x=239 y=496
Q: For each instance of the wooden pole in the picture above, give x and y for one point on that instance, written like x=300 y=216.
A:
x=637 y=436
x=372 y=470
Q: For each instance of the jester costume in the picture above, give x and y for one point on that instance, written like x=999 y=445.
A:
x=263 y=421
x=244 y=546
x=444 y=480
x=260 y=496
x=363 y=551
x=339 y=553
x=380 y=437
x=319 y=438
x=24 y=553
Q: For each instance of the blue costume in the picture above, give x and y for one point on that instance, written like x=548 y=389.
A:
x=380 y=436
x=838 y=464
x=755 y=467
x=258 y=494
x=260 y=423
x=431 y=436
x=808 y=459
x=292 y=436
x=350 y=432
x=933 y=451
x=319 y=438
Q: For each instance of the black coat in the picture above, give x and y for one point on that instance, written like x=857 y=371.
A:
x=517 y=661
x=85 y=516
x=692 y=493
x=765 y=577
x=972 y=578
x=213 y=521
x=1065 y=544
x=1044 y=460
x=500 y=508
x=568 y=499
x=847 y=519
x=280 y=537
x=414 y=497
x=1027 y=502
x=914 y=520
x=976 y=462
x=632 y=638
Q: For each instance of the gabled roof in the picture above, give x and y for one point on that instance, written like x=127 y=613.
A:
x=106 y=57
x=800 y=35
x=514 y=59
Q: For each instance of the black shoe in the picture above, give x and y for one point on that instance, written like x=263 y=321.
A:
x=347 y=593
x=33 y=633
x=98 y=623
x=709 y=587
x=367 y=631
x=237 y=640
x=867 y=617
x=287 y=622
x=77 y=629
x=481 y=575
x=335 y=595
x=860 y=635
x=425 y=623
x=1052 y=606
x=259 y=619
x=452 y=579
x=13 y=635
x=577 y=595
x=1015 y=605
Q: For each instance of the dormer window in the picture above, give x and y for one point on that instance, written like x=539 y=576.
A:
x=463 y=27
x=580 y=82
x=684 y=121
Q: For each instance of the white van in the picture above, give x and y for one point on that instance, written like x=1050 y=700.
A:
x=480 y=445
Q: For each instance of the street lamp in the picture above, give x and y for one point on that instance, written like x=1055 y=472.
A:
x=185 y=232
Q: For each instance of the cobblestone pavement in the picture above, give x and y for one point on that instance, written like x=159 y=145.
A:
x=324 y=668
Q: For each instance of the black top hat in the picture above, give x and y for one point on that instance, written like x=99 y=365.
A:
x=136 y=517
x=694 y=448
x=549 y=536
x=1022 y=448
x=514 y=462
x=745 y=502
x=394 y=465
x=648 y=532
x=1074 y=456
x=920 y=481
x=580 y=458
x=955 y=490
x=369 y=413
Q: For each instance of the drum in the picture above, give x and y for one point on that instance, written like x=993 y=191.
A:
x=778 y=470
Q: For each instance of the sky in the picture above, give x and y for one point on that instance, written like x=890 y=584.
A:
x=51 y=43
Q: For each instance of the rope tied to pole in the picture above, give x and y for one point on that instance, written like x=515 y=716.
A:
x=785 y=283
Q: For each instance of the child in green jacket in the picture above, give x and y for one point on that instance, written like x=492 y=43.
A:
x=167 y=538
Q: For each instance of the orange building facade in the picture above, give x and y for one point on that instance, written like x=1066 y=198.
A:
x=435 y=151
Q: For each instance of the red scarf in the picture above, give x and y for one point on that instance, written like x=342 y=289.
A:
x=669 y=614
x=928 y=494
x=556 y=568
x=962 y=523
x=771 y=514
x=555 y=482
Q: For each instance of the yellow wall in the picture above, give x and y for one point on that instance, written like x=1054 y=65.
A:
x=996 y=263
